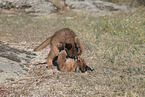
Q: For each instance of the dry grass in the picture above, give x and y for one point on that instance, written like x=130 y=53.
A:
x=114 y=47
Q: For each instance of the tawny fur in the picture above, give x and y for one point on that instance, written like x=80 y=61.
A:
x=63 y=36
x=68 y=64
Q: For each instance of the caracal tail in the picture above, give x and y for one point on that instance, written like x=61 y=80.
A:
x=43 y=44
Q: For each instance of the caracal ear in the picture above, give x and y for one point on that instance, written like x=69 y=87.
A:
x=60 y=46
x=83 y=65
x=79 y=45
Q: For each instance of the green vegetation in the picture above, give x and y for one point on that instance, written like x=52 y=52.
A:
x=113 y=46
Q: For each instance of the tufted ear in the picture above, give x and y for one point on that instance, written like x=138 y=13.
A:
x=79 y=45
x=60 y=46
x=89 y=68
x=83 y=65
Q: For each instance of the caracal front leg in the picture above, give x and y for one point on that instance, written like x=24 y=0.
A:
x=53 y=52
x=62 y=60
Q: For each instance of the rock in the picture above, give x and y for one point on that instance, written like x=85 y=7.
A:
x=89 y=8
x=44 y=7
x=107 y=5
x=10 y=70
x=12 y=62
x=95 y=7
x=30 y=6
x=15 y=54
x=40 y=7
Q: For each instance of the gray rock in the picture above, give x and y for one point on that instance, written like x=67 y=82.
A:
x=89 y=8
x=107 y=5
x=29 y=6
x=44 y=7
x=15 y=54
x=10 y=70
x=12 y=62
x=93 y=7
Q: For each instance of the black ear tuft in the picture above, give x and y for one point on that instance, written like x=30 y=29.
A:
x=68 y=46
x=88 y=68
x=76 y=46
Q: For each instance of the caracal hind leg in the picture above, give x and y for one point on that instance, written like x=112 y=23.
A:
x=53 y=52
